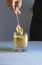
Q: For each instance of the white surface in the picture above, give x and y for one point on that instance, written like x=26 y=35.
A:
x=32 y=57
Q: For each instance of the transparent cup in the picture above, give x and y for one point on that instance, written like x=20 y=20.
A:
x=20 y=41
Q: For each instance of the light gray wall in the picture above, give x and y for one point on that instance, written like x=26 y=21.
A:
x=8 y=20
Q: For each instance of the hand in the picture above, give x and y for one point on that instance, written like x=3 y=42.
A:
x=16 y=4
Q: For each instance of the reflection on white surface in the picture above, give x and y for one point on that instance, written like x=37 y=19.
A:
x=30 y=58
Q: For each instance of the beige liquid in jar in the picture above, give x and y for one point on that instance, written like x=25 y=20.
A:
x=20 y=41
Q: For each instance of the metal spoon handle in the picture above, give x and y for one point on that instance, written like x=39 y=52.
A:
x=17 y=19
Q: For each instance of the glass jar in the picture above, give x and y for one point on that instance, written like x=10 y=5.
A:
x=20 y=41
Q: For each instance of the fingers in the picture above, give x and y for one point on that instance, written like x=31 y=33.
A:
x=16 y=6
x=17 y=11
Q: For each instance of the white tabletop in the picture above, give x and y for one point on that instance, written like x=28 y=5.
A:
x=33 y=56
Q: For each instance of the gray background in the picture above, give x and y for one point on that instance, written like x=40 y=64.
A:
x=8 y=20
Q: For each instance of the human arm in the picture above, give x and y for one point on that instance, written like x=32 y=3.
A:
x=15 y=5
